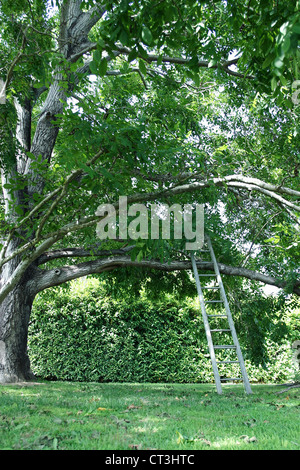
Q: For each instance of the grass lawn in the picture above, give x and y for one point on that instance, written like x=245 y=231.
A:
x=113 y=416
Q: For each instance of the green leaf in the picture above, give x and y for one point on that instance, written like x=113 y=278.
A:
x=93 y=67
x=159 y=60
x=123 y=37
x=196 y=79
x=106 y=173
x=274 y=83
x=142 y=67
x=97 y=56
x=143 y=53
x=278 y=63
x=103 y=67
x=286 y=45
x=19 y=210
x=87 y=169
x=132 y=55
x=268 y=61
x=296 y=28
x=147 y=37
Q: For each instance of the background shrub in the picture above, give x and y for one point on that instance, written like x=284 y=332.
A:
x=80 y=334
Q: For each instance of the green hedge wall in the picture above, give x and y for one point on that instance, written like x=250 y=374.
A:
x=82 y=335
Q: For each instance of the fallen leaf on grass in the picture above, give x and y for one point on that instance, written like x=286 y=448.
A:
x=103 y=409
x=133 y=407
x=135 y=446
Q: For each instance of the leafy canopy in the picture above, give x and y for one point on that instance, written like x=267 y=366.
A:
x=171 y=94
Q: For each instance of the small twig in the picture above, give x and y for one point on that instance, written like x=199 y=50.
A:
x=13 y=64
x=292 y=385
x=142 y=78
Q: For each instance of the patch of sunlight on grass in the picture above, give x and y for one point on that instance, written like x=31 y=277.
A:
x=228 y=443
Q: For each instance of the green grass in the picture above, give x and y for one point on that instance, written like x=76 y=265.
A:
x=86 y=416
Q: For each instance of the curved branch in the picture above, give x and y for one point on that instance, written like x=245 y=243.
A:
x=92 y=251
x=182 y=61
x=18 y=273
x=272 y=194
x=53 y=277
x=231 y=180
x=61 y=189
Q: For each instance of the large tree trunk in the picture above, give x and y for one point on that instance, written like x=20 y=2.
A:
x=14 y=318
x=15 y=312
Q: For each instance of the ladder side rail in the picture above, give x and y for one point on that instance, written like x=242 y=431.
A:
x=230 y=320
x=207 y=328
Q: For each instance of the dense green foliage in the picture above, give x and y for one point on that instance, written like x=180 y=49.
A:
x=180 y=102
x=82 y=334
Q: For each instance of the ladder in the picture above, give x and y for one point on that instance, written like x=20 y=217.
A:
x=207 y=317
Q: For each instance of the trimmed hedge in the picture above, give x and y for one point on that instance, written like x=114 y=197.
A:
x=81 y=335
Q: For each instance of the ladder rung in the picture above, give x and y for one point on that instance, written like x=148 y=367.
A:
x=227 y=362
x=213 y=301
x=204 y=275
x=217 y=315
x=212 y=287
x=231 y=378
x=225 y=346
x=220 y=330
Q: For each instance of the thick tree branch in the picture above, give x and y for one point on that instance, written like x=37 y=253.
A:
x=151 y=58
x=237 y=181
x=53 y=277
x=93 y=251
x=218 y=180
x=182 y=61
x=18 y=273
x=58 y=194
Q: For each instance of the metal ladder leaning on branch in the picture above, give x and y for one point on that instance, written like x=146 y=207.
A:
x=207 y=317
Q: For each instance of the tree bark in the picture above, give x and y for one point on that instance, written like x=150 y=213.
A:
x=14 y=318
x=15 y=312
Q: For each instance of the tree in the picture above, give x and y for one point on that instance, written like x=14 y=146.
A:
x=161 y=101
